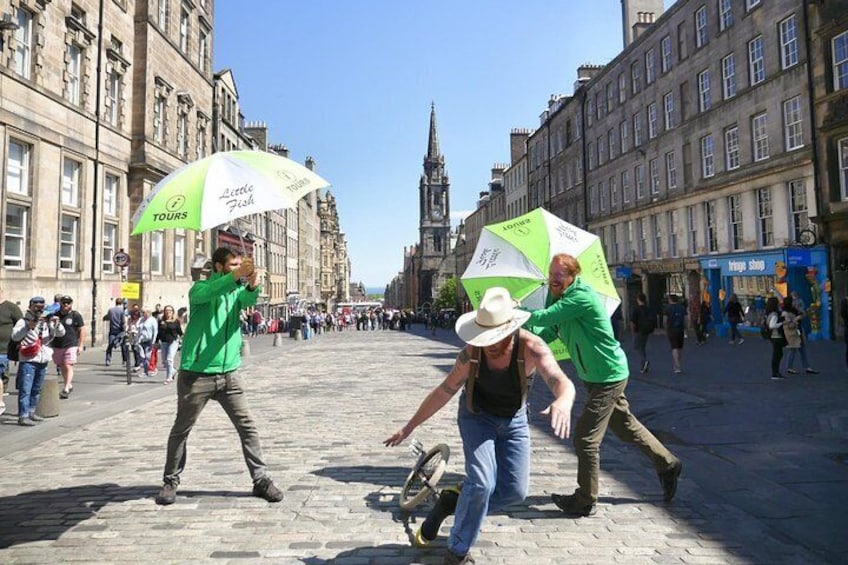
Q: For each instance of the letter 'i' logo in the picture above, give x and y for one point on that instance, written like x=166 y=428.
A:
x=175 y=203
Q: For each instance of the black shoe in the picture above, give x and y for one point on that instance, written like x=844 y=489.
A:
x=668 y=480
x=812 y=371
x=167 y=494
x=568 y=504
x=66 y=393
x=265 y=488
x=444 y=507
x=454 y=559
x=777 y=377
x=36 y=418
x=26 y=422
x=645 y=366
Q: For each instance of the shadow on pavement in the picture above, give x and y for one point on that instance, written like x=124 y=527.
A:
x=389 y=553
x=46 y=514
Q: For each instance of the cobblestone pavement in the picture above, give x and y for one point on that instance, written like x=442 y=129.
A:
x=764 y=478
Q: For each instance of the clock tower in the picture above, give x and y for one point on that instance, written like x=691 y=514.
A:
x=434 y=217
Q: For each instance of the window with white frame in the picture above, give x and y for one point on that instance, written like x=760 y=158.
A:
x=110 y=243
x=157 y=251
x=668 y=110
x=613 y=188
x=635 y=76
x=692 y=226
x=70 y=182
x=731 y=148
x=650 y=66
x=17 y=167
x=614 y=243
x=665 y=54
x=839 y=55
x=599 y=106
x=642 y=228
x=612 y=142
x=203 y=49
x=704 y=98
x=68 y=243
x=622 y=88
x=590 y=110
x=637 y=129
x=182 y=134
x=798 y=207
x=701 y=37
x=707 y=156
x=623 y=128
x=671 y=219
x=654 y=172
x=179 y=255
x=728 y=77
x=756 y=61
x=842 y=148
x=159 y=119
x=73 y=93
x=711 y=228
x=602 y=150
x=114 y=111
x=22 y=63
x=15 y=236
x=734 y=205
x=639 y=176
x=162 y=15
x=185 y=28
x=593 y=200
x=652 y=120
x=201 y=141
x=625 y=187
x=750 y=4
x=670 y=170
x=788 y=42
x=602 y=196
x=111 y=185
x=759 y=135
x=656 y=248
x=764 y=217
x=610 y=97
x=792 y=123
x=725 y=14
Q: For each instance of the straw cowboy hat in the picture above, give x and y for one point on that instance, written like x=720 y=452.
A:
x=496 y=318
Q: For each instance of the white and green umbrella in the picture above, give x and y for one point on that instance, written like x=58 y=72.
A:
x=515 y=254
x=225 y=186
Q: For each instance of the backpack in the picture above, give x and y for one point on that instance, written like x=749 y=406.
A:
x=675 y=316
x=647 y=320
x=12 y=350
x=765 y=330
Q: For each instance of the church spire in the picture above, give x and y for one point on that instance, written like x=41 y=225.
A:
x=433 y=142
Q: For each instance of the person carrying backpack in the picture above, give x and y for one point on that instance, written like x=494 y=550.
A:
x=675 y=323
x=643 y=322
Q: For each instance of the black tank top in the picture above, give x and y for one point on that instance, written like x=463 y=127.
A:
x=498 y=392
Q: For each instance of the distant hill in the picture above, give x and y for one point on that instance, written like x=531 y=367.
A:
x=369 y=290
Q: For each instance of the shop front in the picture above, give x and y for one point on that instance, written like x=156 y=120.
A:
x=664 y=277
x=753 y=277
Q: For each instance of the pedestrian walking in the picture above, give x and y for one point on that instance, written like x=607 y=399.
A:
x=643 y=322
x=170 y=332
x=117 y=318
x=793 y=331
x=33 y=332
x=209 y=370
x=675 y=327
x=67 y=348
x=733 y=311
x=705 y=316
x=774 y=324
x=493 y=368
x=575 y=315
x=10 y=313
x=148 y=329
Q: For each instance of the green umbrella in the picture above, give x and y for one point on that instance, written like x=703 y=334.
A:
x=225 y=186
x=515 y=254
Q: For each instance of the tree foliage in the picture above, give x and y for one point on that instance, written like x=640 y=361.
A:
x=447 y=295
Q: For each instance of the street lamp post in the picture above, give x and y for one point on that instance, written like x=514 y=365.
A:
x=96 y=192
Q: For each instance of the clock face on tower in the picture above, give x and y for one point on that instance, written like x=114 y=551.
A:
x=436 y=213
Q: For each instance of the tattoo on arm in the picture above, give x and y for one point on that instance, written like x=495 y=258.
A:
x=446 y=388
x=463 y=357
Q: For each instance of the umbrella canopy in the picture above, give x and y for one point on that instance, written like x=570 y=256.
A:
x=515 y=254
x=223 y=187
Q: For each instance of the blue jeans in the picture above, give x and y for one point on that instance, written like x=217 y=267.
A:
x=734 y=331
x=4 y=365
x=29 y=383
x=497 y=469
x=167 y=351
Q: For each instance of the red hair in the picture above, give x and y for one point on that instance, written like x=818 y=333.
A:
x=567 y=262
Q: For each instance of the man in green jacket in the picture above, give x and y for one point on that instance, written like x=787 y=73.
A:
x=575 y=315
x=211 y=356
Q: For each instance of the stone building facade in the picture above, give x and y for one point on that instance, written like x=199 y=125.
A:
x=335 y=264
x=309 y=244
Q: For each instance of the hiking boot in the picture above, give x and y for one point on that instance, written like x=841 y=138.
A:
x=444 y=507
x=167 y=494
x=668 y=480
x=26 y=422
x=36 y=418
x=454 y=559
x=568 y=504
x=265 y=488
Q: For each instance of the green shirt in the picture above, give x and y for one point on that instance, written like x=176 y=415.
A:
x=579 y=319
x=9 y=315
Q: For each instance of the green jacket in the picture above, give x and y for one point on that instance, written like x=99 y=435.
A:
x=212 y=341
x=578 y=318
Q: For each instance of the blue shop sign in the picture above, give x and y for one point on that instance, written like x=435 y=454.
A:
x=744 y=265
x=623 y=272
x=799 y=257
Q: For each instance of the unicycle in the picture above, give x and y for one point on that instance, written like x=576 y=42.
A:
x=421 y=483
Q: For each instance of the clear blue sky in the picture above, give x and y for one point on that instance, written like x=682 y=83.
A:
x=350 y=83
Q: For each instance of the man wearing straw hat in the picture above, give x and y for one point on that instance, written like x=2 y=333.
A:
x=575 y=315
x=494 y=370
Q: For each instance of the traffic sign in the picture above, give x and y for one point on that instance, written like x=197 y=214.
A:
x=121 y=259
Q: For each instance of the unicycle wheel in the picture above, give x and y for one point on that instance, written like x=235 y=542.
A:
x=422 y=480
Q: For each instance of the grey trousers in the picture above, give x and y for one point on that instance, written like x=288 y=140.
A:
x=194 y=390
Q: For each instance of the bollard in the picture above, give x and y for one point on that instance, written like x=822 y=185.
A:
x=48 y=404
x=245 y=348
x=278 y=339
x=298 y=335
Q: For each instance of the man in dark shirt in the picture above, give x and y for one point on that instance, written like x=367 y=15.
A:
x=66 y=348
x=116 y=316
x=10 y=313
